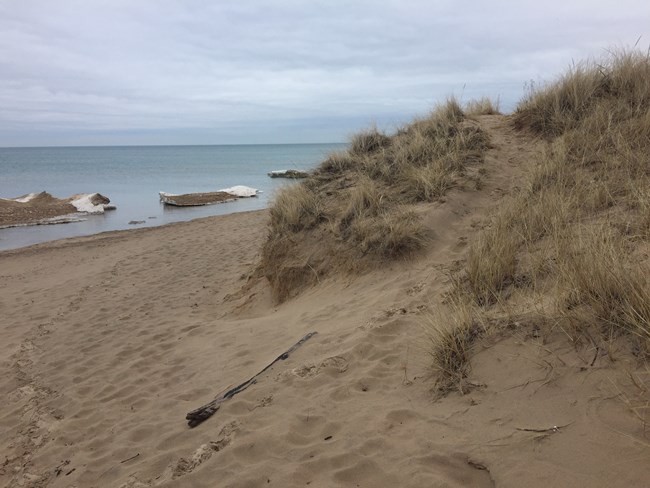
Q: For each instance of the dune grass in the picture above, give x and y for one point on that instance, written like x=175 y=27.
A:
x=368 y=141
x=600 y=114
x=452 y=329
x=360 y=207
x=575 y=232
x=613 y=91
x=398 y=232
x=296 y=208
x=577 y=229
x=491 y=261
x=597 y=272
x=482 y=106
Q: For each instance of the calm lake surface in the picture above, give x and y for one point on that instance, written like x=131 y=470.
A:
x=132 y=176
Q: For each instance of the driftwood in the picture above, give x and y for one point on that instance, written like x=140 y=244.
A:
x=195 y=417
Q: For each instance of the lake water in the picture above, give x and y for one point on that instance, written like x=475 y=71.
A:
x=132 y=176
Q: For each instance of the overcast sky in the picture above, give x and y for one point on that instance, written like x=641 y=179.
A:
x=104 y=72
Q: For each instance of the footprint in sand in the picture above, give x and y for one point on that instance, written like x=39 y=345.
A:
x=203 y=453
x=337 y=364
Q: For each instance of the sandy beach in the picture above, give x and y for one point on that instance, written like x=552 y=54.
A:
x=109 y=340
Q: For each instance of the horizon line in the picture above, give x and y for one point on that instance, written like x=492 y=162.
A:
x=172 y=145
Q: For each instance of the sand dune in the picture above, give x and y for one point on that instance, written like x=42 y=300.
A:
x=109 y=340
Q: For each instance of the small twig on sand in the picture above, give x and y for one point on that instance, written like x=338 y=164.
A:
x=595 y=356
x=129 y=459
x=550 y=430
x=477 y=465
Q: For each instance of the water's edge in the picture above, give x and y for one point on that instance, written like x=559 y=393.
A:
x=132 y=177
x=107 y=234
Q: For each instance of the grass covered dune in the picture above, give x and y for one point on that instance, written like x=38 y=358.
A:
x=572 y=237
x=568 y=248
x=479 y=287
x=361 y=207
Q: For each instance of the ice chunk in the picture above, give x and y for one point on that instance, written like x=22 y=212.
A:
x=241 y=191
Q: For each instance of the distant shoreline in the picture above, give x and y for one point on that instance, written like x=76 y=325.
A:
x=81 y=239
x=122 y=233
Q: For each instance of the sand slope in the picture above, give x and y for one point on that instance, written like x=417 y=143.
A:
x=109 y=340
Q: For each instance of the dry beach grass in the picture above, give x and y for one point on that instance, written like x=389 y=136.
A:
x=361 y=206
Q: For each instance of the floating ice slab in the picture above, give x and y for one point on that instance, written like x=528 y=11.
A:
x=241 y=191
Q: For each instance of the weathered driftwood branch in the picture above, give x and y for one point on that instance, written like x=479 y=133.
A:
x=195 y=417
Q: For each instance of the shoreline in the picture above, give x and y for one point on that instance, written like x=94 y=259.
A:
x=133 y=177
x=80 y=240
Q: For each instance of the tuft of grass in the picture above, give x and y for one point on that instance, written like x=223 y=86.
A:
x=596 y=271
x=452 y=333
x=482 y=106
x=620 y=83
x=336 y=163
x=389 y=235
x=427 y=183
x=492 y=261
x=366 y=199
x=450 y=111
x=368 y=141
x=491 y=266
x=294 y=209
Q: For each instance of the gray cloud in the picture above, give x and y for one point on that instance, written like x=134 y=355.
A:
x=188 y=71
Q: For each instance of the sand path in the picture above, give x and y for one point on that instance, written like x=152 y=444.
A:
x=109 y=340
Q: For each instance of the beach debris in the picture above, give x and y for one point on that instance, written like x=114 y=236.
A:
x=549 y=430
x=59 y=469
x=288 y=173
x=208 y=198
x=196 y=416
x=477 y=465
x=129 y=459
x=543 y=433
